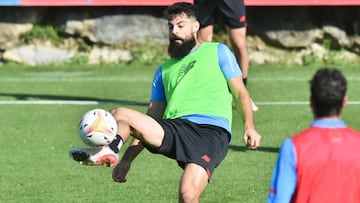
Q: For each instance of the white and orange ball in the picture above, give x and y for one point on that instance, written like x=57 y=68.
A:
x=97 y=128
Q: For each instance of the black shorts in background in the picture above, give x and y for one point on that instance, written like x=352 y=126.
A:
x=188 y=142
x=232 y=12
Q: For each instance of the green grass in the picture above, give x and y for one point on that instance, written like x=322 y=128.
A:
x=35 y=139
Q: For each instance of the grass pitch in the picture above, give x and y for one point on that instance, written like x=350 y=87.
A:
x=40 y=109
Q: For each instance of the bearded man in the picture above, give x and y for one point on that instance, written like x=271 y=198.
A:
x=189 y=116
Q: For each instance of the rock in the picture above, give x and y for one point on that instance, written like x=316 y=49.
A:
x=260 y=57
x=10 y=32
x=355 y=44
x=293 y=39
x=317 y=50
x=118 y=28
x=107 y=55
x=35 y=55
x=83 y=28
x=338 y=36
x=15 y=21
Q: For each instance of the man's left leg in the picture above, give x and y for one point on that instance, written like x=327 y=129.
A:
x=102 y=156
x=193 y=182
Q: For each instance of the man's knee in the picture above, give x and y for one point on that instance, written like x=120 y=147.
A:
x=189 y=195
x=118 y=112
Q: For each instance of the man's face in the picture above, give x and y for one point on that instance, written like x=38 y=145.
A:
x=181 y=36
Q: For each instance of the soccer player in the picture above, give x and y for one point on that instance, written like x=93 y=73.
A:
x=321 y=163
x=189 y=117
x=233 y=13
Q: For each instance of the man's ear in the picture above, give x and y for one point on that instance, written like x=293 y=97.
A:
x=196 y=26
x=345 y=102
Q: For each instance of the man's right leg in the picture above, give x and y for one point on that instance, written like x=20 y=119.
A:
x=143 y=127
x=237 y=38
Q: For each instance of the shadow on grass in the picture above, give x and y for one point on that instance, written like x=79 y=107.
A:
x=25 y=97
x=261 y=148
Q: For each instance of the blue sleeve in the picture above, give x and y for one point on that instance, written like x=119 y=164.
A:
x=227 y=62
x=283 y=180
x=157 y=91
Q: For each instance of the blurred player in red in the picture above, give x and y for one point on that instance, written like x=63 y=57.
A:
x=321 y=163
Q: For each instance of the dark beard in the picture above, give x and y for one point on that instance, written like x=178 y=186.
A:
x=180 y=50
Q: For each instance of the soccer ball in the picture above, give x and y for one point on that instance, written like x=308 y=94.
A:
x=97 y=128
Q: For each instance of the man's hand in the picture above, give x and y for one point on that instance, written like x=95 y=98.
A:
x=251 y=139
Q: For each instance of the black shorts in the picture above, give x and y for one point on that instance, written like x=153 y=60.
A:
x=233 y=12
x=188 y=142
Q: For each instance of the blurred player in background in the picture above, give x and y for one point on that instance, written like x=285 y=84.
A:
x=233 y=13
x=321 y=163
x=189 y=117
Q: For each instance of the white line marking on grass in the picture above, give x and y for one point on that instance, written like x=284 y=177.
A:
x=57 y=73
x=51 y=102
x=295 y=103
x=291 y=78
x=69 y=79
x=283 y=103
x=94 y=102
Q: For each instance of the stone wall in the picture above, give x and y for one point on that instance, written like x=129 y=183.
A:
x=301 y=30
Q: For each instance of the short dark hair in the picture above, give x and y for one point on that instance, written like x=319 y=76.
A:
x=182 y=7
x=328 y=89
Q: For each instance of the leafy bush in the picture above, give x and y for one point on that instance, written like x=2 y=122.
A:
x=42 y=32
